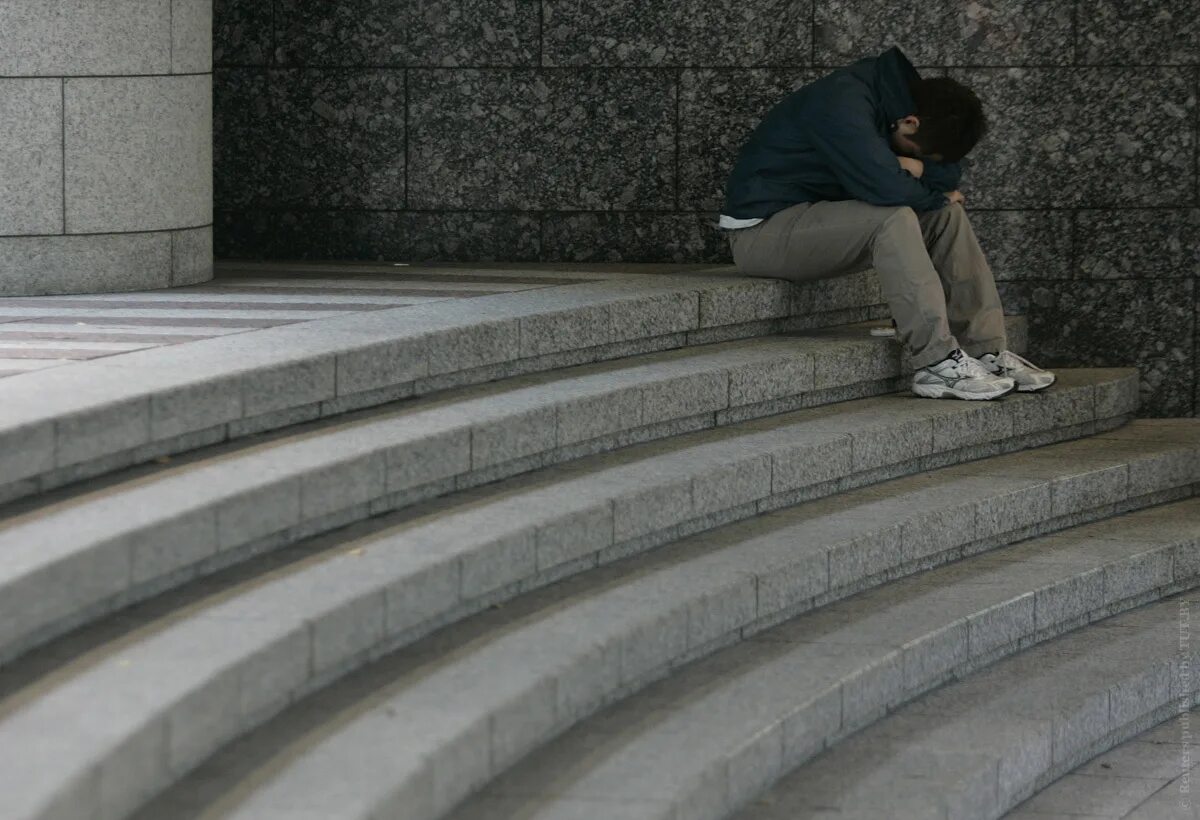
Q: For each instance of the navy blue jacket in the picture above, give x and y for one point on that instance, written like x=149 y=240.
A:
x=830 y=140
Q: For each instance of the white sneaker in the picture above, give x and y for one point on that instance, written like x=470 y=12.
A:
x=1028 y=376
x=961 y=377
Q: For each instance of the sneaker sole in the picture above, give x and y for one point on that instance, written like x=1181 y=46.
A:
x=935 y=391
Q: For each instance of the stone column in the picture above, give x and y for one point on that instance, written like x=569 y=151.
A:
x=105 y=145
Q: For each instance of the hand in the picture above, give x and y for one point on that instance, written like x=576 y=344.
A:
x=956 y=196
x=913 y=166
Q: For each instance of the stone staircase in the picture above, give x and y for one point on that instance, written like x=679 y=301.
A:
x=648 y=547
x=1150 y=777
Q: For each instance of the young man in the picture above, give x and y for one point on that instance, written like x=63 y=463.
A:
x=859 y=169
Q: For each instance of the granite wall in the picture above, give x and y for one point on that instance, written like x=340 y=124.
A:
x=105 y=145
x=546 y=130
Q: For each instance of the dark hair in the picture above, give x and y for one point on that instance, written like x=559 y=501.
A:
x=952 y=118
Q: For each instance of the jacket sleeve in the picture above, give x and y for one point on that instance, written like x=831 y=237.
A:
x=941 y=176
x=843 y=133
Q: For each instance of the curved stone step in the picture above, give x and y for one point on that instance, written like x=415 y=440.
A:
x=978 y=747
x=68 y=559
x=711 y=738
x=401 y=577
x=477 y=706
x=1151 y=776
x=64 y=424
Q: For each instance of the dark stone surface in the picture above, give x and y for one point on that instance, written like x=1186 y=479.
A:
x=242 y=32
x=339 y=138
x=679 y=33
x=633 y=237
x=1120 y=32
x=403 y=33
x=1024 y=244
x=311 y=138
x=1082 y=138
x=945 y=32
x=1147 y=324
x=243 y=166
x=1148 y=243
x=406 y=236
x=580 y=139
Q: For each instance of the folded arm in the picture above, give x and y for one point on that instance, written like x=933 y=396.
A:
x=844 y=134
x=941 y=176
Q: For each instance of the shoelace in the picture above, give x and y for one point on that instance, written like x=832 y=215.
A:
x=971 y=367
x=1008 y=360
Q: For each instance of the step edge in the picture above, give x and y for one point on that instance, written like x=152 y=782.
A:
x=321 y=682
x=120 y=587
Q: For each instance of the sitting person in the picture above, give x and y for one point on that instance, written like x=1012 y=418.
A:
x=860 y=169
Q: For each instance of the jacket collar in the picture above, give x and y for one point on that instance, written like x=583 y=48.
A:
x=893 y=71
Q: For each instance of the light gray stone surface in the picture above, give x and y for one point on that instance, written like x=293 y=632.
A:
x=191 y=256
x=85 y=37
x=372 y=350
x=37 y=265
x=31 y=160
x=1018 y=725
x=712 y=734
x=191 y=36
x=1150 y=777
x=671 y=609
x=109 y=143
x=314 y=478
x=138 y=153
x=728 y=708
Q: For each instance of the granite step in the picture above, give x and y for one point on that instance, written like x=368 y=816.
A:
x=837 y=692
x=63 y=424
x=70 y=556
x=201 y=672
x=976 y=748
x=1148 y=777
x=473 y=699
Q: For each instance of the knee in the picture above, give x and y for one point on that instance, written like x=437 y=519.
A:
x=902 y=218
x=952 y=214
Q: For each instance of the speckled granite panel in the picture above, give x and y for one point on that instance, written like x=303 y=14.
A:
x=1150 y=243
x=1031 y=244
x=1149 y=324
x=401 y=33
x=1015 y=31
x=579 y=139
x=1095 y=137
x=945 y=32
x=1162 y=32
x=338 y=138
x=845 y=30
x=241 y=32
x=629 y=237
x=379 y=235
x=682 y=32
x=1014 y=295
x=243 y=152
x=244 y=235
x=718 y=110
x=475 y=236
x=309 y=138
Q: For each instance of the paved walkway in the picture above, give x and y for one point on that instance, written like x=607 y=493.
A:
x=48 y=331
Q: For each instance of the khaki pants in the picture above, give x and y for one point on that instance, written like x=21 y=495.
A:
x=930 y=266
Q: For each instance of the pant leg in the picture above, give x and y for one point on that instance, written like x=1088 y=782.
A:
x=973 y=306
x=816 y=240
